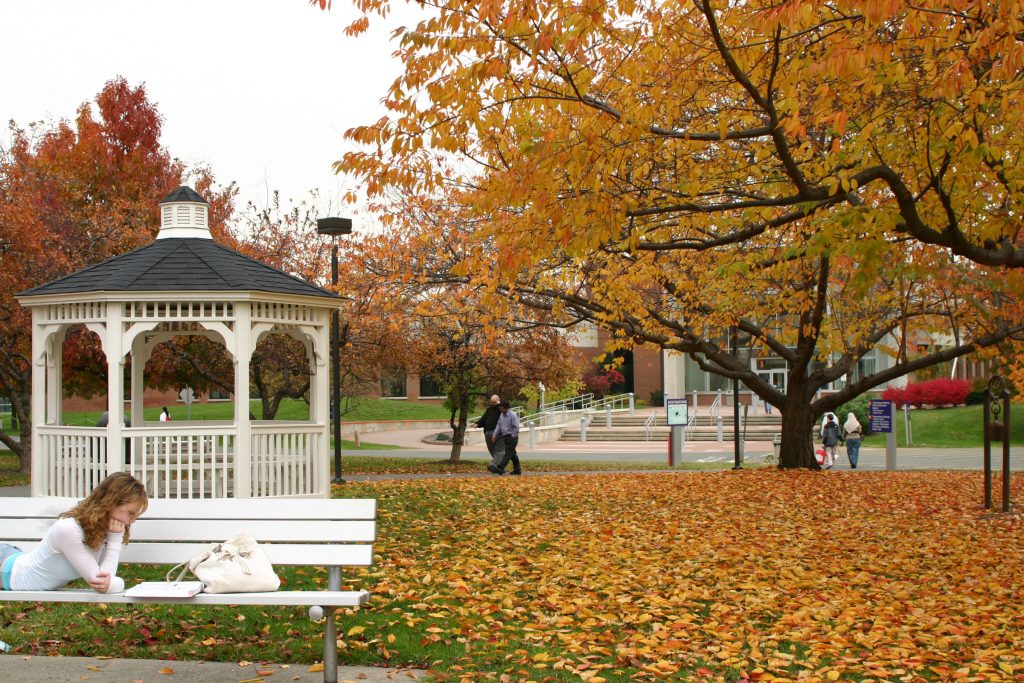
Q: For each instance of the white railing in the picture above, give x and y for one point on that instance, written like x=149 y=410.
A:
x=288 y=459
x=716 y=408
x=581 y=402
x=188 y=460
x=72 y=462
x=182 y=462
x=649 y=426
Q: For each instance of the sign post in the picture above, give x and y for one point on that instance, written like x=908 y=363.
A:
x=677 y=417
x=880 y=416
x=187 y=395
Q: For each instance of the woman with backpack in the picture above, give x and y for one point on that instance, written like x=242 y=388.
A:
x=830 y=439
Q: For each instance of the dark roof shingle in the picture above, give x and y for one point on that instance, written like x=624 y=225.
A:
x=180 y=264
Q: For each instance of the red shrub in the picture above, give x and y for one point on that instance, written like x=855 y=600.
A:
x=934 y=392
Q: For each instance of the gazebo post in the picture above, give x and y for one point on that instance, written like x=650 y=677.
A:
x=115 y=387
x=243 y=426
x=39 y=360
x=320 y=399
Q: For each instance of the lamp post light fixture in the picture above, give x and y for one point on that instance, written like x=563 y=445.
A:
x=333 y=227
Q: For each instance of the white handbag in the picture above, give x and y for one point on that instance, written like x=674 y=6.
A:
x=235 y=566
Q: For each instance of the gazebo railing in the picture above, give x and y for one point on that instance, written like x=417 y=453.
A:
x=288 y=459
x=72 y=462
x=188 y=460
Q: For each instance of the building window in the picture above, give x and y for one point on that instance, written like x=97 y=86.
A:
x=218 y=395
x=393 y=385
x=430 y=387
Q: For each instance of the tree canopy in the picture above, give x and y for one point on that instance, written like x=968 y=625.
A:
x=825 y=178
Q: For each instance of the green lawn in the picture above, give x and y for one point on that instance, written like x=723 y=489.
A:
x=363 y=410
x=959 y=427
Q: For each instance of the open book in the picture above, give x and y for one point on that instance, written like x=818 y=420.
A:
x=165 y=589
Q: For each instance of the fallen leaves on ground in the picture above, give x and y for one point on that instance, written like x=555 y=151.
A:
x=755 y=575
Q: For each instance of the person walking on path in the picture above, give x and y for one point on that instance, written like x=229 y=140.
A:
x=85 y=542
x=507 y=432
x=830 y=437
x=488 y=421
x=165 y=415
x=853 y=433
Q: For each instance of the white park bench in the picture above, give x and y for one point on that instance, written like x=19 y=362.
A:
x=313 y=532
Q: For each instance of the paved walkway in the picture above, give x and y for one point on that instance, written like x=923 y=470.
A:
x=19 y=669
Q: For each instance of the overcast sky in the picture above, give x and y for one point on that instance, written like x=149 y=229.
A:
x=260 y=90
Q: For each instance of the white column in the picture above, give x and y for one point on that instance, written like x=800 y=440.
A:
x=243 y=427
x=113 y=346
x=674 y=380
x=40 y=466
x=55 y=376
x=141 y=353
x=320 y=400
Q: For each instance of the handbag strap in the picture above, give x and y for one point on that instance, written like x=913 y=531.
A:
x=181 y=575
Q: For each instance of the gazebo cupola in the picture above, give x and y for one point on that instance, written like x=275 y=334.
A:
x=181 y=284
x=184 y=214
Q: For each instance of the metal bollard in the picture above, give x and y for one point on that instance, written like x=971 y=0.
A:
x=533 y=433
x=583 y=430
x=632 y=410
x=720 y=437
x=608 y=416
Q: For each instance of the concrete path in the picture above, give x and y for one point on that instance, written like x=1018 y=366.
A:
x=23 y=669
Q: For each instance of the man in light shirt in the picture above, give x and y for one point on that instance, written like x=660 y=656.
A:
x=507 y=432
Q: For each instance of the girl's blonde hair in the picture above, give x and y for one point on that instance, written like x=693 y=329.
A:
x=93 y=513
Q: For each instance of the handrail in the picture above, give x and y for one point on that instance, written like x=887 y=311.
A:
x=715 y=409
x=565 y=404
x=616 y=402
x=649 y=426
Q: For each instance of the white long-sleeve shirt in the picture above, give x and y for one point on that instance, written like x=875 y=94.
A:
x=62 y=556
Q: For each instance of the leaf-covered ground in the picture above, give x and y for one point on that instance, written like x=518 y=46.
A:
x=757 y=574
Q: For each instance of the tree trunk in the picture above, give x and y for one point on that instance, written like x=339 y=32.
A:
x=797 y=429
x=460 y=407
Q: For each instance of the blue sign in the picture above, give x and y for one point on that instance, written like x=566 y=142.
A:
x=676 y=412
x=880 y=415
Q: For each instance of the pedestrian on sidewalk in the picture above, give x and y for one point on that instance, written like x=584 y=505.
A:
x=853 y=433
x=830 y=438
x=507 y=432
x=487 y=422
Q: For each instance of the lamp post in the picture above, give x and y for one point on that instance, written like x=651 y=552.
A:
x=333 y=227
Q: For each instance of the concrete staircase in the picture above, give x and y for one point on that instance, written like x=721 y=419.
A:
x=758 y=427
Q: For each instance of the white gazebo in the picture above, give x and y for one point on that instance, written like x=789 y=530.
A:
x=181 y=284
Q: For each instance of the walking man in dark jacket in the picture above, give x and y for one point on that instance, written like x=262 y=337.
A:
x=488 y=421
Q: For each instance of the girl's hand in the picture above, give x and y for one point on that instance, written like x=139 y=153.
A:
x=101 y=582
x=116 y=527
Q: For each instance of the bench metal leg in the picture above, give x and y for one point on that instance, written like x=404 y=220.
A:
x=330 y=647
x=331 y=630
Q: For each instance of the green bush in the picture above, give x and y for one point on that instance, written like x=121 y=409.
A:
x=859 y=407
x=657 y=398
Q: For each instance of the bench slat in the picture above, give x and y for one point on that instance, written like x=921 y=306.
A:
x=316 y=555
x=232 y=508
x=204 y=529
x=297 y=598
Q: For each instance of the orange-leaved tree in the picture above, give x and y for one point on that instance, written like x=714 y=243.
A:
x=72 y=194
x=433 y=323
x=826 y=179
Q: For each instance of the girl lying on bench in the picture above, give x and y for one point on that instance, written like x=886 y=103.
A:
x=84 y=542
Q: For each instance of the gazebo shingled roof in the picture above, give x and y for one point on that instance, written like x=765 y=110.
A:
x=179 y=264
